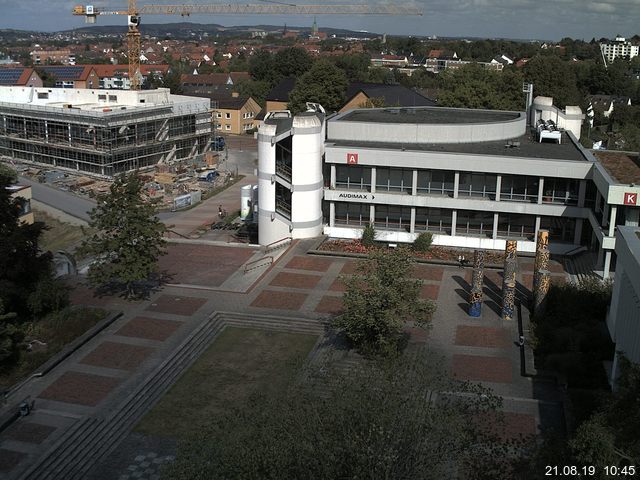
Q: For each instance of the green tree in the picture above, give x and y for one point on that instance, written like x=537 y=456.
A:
x=10 y=337
x=256 y=89
x=423 y=242
x=552 y=77
x=368 y=235
x=379 y=300
x=375 y=421
x=324 y=83
x=292 y=62
x=355 y=66
x=262 y=67
x=128 y=239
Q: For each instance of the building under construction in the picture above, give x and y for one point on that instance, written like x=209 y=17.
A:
x=102 y=132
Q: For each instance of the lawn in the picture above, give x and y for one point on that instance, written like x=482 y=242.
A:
x=56 y=330
x=59 y=235
x=239 y=362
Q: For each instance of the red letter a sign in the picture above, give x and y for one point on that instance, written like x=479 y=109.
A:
x=352 y=158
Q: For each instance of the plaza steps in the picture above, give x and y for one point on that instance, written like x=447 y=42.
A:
x=91 y=439
x=582 y=266
x=282 y=324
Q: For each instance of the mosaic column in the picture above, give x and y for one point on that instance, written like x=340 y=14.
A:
x=475 y=299
x=542 y=257
x=509 y=280
x=543 y=280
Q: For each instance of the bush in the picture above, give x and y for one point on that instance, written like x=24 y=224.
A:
x=368 y=236
x=423 y=242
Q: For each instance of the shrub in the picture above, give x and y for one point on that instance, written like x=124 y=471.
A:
x=368 y=236
x=423 y=242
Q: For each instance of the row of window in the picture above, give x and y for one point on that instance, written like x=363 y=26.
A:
x=227 y=115
x=441 y=182
x=440 y=220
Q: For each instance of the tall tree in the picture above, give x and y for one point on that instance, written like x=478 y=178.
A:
x=380 y=299
x=551 y=77
x=262 y=67
x=292 y=61
x=405 y=419
x=324 y=83
x=128 y=240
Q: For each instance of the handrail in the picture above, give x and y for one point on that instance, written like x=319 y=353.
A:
x=177 y=233
x=272 y=246
x=255 y=265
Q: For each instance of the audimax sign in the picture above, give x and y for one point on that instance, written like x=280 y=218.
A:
x=356 y=196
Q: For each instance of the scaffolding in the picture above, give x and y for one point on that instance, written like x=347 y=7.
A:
x=104 y=143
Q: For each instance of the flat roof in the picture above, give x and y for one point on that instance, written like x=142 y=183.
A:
x=624 y=167
x=428 y=115
x=528 y=147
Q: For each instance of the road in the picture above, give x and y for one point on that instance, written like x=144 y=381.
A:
x=67 y=202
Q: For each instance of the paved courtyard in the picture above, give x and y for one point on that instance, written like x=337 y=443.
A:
x=104 y=376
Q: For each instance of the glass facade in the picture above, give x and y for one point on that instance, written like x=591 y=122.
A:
x=435 y=182
x=352 y=214
x=474 y=223
x=519 y=188
x=392 y=217
x=477 y=185
x=394 y=180
x=433 y=220
x=353 y=178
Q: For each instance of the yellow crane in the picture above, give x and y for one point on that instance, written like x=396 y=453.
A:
x=133 y=13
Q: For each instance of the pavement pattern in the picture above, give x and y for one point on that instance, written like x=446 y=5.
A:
x=93 y=389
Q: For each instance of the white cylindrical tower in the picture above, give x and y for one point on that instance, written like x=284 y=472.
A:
x=306 y=175
x=245 y=201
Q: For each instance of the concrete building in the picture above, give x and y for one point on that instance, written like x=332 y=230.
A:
x=623 y=319
x=235 y=115
x=102 y=132
x=42 y=57
x=619 y=48
x=473 y=178
x=290 y=151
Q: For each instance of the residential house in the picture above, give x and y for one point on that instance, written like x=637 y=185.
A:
x=606 y=103
x=393 y=61
x=20 y=76
x=235 y=115
x=117 y=76
x=71 y=76
x=360 y=95
x=42 y=57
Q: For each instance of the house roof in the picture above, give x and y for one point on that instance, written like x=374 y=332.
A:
x=214 y=78
x=624 y=167
x=394 y=95
x=233 y=103
x=15 y=75
x=68 y=73
x=603 y=102
x=280 y=93
x=106 y=71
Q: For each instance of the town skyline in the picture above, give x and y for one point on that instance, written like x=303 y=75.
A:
x=455 y=18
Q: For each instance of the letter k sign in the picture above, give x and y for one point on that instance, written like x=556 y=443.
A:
x=352 y=158
x=630 y=198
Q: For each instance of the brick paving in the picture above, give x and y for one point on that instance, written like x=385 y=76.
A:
x=482 y=369
x=208 y=265
x=9 y=459
x=149 y=328
x=329 y=304
x=350 y=267
x=295 y=280
x=489 y=337
x=177 y=305
x=428 y=272
x=430 y=291
x=81 y=388
x=417 y=334
x=30 y=432
x=337 y=286
x=279 y=300
x=309 y=263
x=117 y=355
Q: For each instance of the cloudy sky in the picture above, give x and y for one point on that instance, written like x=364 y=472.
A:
x=526 y=19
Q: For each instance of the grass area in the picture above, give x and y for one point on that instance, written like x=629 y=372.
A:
x=59 y=235
x=56 y=330
x=238 y=363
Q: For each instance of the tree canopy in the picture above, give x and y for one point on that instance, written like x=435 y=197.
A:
x=380 y=299
x=405 y=419
x=128 y=239
x=324 y=83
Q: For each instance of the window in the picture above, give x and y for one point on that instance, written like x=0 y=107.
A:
x=113 y=98
x=435 y=182
x=561 y=190
x=353 y=178
x=433 y=220
x=470 y=222
x=227 y=116
x=219 y=127
x=218 y=115
x=102 y=98
x=227 y=127
x=351 y=214
x=561 y=229
x=512 y=225
x=394 y=180
x=43 y=95
x=477 y=185
x=519 y=188
x=393 y=217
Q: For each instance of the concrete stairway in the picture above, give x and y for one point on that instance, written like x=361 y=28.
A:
x=582 y=266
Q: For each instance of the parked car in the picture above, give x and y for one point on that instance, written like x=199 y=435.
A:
x=208 y=176
x=219 y=143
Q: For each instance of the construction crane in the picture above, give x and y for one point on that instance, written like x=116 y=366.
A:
x=133 y=13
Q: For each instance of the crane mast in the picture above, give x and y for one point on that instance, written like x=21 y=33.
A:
x=133 y=14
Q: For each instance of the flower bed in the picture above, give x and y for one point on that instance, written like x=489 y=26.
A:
x=435 y=253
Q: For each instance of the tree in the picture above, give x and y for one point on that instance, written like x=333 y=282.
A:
x=355 y=66
x=128 y=239
x=292 y=62
x=324 y=83
x=368 y=235
x=374 y=421
x=262 y=67
x=256 y=89
x=10 y=337
x=379 y=300
x=551 y=77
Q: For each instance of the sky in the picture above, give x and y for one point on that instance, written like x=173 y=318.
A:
x=522 y=19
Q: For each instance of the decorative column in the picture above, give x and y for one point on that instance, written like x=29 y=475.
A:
x=475 y=299
x=542 y=257
x=509 y=280
x=542 y=279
